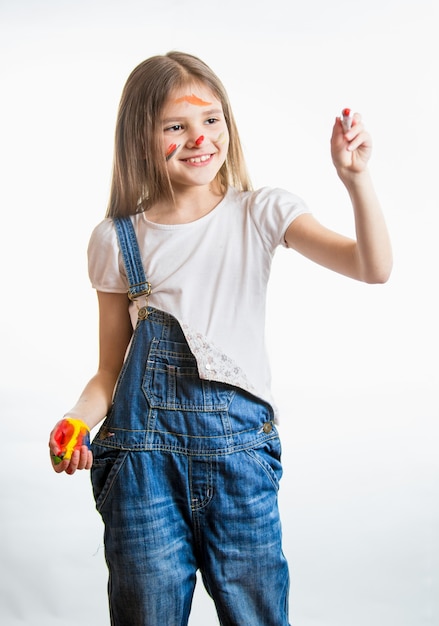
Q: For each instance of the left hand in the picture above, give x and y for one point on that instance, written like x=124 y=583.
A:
x=350 y=150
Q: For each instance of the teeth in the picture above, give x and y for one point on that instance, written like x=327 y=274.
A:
x=200 y=159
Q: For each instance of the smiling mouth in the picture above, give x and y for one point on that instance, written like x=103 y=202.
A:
x=197 y=160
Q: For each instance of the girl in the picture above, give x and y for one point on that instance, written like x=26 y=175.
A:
x=186 y=465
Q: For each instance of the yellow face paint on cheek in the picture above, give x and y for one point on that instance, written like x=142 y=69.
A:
x=221 y=138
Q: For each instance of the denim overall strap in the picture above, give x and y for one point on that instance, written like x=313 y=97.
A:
x=129 y=248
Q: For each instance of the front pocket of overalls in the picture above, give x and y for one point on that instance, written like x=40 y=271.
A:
x=107 y=463
x=268 y=458
x=171 y=381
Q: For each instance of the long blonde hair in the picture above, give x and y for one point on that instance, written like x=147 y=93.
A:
x=140 y=177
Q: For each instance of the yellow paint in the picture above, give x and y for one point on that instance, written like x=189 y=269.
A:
x=78 y=428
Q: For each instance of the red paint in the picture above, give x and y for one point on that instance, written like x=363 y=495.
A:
x=63 y=433
x=70 y=435
x=171 y=149
x=346 y=112
x=200 y=140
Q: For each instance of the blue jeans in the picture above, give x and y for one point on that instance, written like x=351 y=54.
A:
x=185 y=475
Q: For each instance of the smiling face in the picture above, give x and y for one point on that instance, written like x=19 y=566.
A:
x=195 y=136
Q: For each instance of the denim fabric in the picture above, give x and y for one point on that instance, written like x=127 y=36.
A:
x=185 y=475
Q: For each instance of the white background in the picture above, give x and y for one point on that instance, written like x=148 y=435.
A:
x=355 y=366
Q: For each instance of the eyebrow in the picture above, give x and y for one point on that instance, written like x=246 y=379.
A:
x=167 y=120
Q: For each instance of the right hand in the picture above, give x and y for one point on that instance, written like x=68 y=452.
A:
x=81 y=458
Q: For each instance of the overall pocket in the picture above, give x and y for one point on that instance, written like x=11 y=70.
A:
x=267 y=458
x=107 y=464
x=171 y=381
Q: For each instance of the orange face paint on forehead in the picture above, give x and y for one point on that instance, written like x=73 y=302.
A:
x=192 y=99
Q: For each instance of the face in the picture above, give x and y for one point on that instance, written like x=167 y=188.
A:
x=195 y=136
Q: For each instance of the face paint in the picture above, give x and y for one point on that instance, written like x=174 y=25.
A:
x=171 y=151
x=192 y=99
x=70 y=435
x=199 y=141
x=221 y=138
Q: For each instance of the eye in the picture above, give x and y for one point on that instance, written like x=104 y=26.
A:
x=211 y=120
x=173 y=128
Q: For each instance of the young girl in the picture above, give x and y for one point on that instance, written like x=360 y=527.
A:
x=186 y=465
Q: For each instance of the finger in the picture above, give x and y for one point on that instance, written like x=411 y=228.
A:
x=89 y=459
x=53 y=446
x=337 y=129
x=84 y=458
x=356 y=120
x=356 y=129
x=362 y=140
x=56 y=460
x=74 y=462
x=58 y=464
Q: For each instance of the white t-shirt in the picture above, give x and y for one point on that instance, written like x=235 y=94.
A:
x=211 y=275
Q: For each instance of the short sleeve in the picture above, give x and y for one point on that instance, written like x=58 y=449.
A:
x=273 y=210
x=105 y=266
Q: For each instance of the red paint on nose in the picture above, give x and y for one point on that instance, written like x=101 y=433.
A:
x=199 y=141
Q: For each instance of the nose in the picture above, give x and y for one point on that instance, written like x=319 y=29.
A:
x=195 y=143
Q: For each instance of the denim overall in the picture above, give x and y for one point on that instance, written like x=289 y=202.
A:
x=185 y=476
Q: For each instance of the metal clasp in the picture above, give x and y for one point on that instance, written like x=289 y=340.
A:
x=133 y=295
x=146 y=291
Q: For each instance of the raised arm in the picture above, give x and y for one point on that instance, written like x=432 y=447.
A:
x=369 y=257
x=115 y=331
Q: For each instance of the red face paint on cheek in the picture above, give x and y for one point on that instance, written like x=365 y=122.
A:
x=171 y=151
x=199 y=141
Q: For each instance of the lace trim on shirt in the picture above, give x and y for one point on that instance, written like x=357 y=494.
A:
x=214 y=364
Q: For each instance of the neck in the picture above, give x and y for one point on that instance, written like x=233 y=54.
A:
x=190 y=204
